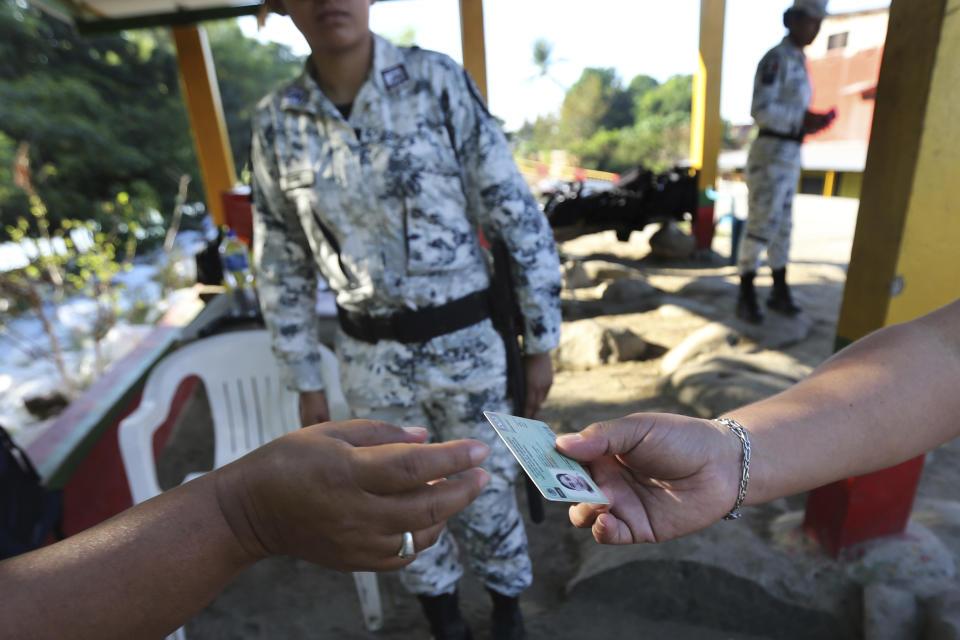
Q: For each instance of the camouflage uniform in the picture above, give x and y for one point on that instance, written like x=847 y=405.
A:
x=385 y=205
x=781 y=96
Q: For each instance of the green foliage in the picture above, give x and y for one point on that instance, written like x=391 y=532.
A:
x=104 y=116
x=57 y=268
x=611 y=126
x=246 y=72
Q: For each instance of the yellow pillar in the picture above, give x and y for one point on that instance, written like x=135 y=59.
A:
x=199 y=80
x=905 y=260
x=829 y=181
x=706 y=127
x=472 y=42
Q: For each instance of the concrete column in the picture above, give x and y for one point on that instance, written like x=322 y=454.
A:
x=472 y=41
x=199 y=80
x=905 y=261
x=706 y=127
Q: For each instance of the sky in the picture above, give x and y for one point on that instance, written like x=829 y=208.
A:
x=659 y=38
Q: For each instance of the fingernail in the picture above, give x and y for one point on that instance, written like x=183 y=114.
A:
x=416 y=431
x=478 y=452
x=569 y=438
x=486 y=479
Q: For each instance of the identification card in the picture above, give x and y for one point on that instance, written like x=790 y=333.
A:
x=533 y=444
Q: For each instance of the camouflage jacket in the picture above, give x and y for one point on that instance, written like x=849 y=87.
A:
x=781 y=89
x=386 y=204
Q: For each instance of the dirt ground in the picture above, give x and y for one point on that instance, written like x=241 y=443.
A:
x=286 y=598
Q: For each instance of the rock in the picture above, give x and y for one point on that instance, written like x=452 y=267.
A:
x=627 y=291
x=713 y=338
x=722 y=383
x=671 y=243
x=890 y=613
x=777 y=331
x=575 y=276
x=47 y=404
x=600 y=270
x=585 y=344
x=943 y=616
x=624 y=344
x=916 y=561
x=705 y=579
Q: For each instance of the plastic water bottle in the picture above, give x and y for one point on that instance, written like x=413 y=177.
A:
x=236 y=263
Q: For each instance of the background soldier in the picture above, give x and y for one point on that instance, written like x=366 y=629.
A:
x=781 y=97
x=375 y=168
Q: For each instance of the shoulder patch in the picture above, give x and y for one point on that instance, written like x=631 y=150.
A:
x=394 y=76
x=295 y=96
x=770 y=69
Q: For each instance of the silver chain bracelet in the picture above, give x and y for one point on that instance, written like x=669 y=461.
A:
x=744 y=436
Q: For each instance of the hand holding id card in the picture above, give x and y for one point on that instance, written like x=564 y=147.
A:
x=533 y=444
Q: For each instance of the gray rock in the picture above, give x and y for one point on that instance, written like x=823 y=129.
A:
x=943 y=616
x=890 y=613
x=600 y=270
x=575 y=276
x=793 y=591
x=627 y=291
x=712 y=338
x=777 y=331
x=624 y=344
x=46 y=404
x=671 y=243
x=586 y=344
x=916 y=561
x=722 y=383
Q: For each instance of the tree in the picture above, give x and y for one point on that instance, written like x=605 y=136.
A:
x=104 y=115
x=594 y=101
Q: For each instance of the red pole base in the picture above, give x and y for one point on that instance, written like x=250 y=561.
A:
x=858 y=509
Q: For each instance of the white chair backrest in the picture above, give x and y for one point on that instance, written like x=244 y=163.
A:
x=249 y=404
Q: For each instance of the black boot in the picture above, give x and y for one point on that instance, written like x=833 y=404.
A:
x=747 y=307
x=443 y=614
x=780 y=299
x=506 y=623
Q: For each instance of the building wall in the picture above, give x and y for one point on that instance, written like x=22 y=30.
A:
x=845 y=76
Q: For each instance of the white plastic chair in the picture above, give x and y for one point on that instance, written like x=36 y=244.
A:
x=249 y=405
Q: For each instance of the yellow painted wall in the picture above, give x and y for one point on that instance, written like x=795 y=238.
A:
x=850 y=185
x=929 y=260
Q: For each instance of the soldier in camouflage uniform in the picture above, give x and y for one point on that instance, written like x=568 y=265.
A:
x=781 y=96
x=380 y=187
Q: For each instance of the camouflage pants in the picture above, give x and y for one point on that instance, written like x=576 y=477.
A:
x=445 y=385
x=773 y=170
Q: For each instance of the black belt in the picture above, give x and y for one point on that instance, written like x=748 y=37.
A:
x=769 y=133
x=417 y=325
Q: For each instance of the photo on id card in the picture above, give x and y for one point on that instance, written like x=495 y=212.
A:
x=532 y=443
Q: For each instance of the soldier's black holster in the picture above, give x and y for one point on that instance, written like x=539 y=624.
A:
x=508 y=321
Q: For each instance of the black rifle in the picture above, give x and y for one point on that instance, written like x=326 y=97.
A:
x=508 y=321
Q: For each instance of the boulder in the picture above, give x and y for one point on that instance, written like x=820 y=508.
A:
x=724 y=382
x=585 y=344
x=711 y=339
x=890 y=613
x=575 y=276
x=627 y=290
x=47 y=405
x=671 y=243
x=600 y=270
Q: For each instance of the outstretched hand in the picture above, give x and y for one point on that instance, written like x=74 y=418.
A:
x=666 y=475
x=342 y=494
